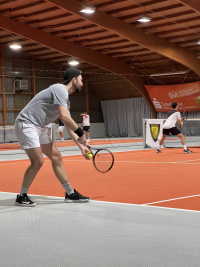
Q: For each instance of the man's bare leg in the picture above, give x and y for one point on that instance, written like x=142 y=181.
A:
x=161 y=142
x=61 y=136
x=88 y=136
x=54 y=155
x=36 y=158
x=182 y=137
x=56 y=159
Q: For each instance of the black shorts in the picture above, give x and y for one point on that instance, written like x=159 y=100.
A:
x=86 y=128
x=60 y=123
x=173 y=131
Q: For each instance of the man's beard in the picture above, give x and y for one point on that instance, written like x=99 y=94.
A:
x=77 y=89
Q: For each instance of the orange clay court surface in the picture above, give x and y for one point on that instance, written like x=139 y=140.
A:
x=138 y=177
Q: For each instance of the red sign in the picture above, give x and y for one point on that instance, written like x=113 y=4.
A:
x=186 y=95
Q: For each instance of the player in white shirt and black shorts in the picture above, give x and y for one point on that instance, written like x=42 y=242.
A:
x=86 y=124
x=170 y=127
x=60 y=130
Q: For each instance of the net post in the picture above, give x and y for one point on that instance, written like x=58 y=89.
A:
x=144 y=132
x=4 y=134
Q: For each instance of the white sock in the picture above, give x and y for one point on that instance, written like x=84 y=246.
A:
x=159 y=147
x=184 y=146
x=23 y=191
x=68 y=188
x=62 y=139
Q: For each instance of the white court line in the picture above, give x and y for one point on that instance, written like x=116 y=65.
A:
x=172 y=199
x=141 y=151
x=109 y=202
x=83 y=160
x=124 y=152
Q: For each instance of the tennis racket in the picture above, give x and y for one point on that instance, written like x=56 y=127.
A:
x=103 y=159
x=185 y=115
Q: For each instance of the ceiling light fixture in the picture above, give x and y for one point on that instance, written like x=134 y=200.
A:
x=73 y=62
x=198 y=42
x=15 y=46
x=144 y=18
x=169 y=73
x=88 y=9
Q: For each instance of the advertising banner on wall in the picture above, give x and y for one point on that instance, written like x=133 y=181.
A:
x=186 y=95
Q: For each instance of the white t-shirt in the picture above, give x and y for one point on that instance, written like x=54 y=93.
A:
x=173 y=117
x=86 y=120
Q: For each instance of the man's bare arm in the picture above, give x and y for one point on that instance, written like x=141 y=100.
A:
x=66 y=119
x=71 y=124
x=180 y=123
x=74 y=137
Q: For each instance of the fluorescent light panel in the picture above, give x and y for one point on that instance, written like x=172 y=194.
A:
x=15 y=46
x=88 y=9
x=73 y=62
x=144 y=18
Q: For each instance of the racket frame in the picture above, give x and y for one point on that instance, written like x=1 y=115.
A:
x=184 y=117
x=95 y=154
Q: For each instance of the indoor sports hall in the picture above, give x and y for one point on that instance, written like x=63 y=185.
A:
x=109 y=90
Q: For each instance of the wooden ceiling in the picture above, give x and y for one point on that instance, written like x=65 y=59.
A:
x=109 y=41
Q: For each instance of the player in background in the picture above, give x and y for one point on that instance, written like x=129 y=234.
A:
x=60 y=130
x=169 y=126
x=86 y=124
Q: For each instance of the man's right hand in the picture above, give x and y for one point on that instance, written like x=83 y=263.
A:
x=84 y=151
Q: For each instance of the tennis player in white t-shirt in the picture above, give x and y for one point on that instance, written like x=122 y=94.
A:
x=170 y=127
x=86 y=124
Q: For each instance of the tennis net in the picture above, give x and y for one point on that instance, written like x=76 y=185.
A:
x=9 y=141
x=8 y=138
x=191 y=131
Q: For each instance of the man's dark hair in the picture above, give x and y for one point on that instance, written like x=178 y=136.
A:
x=174 y=104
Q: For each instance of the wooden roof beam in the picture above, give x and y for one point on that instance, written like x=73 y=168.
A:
x=170 y=23
x=6 y=2
x=25 y=6
x=95 y=58
x=75 y=29
x=36 y=13
x=167 y=8
x=135 y=34
x=113 y=2
x=194 y=4
x=104 y=44
x=145 y=28
x=61 y=24
x=49 y=19
x=131 y=7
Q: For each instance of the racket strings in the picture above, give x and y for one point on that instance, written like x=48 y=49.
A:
x=103 y=160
